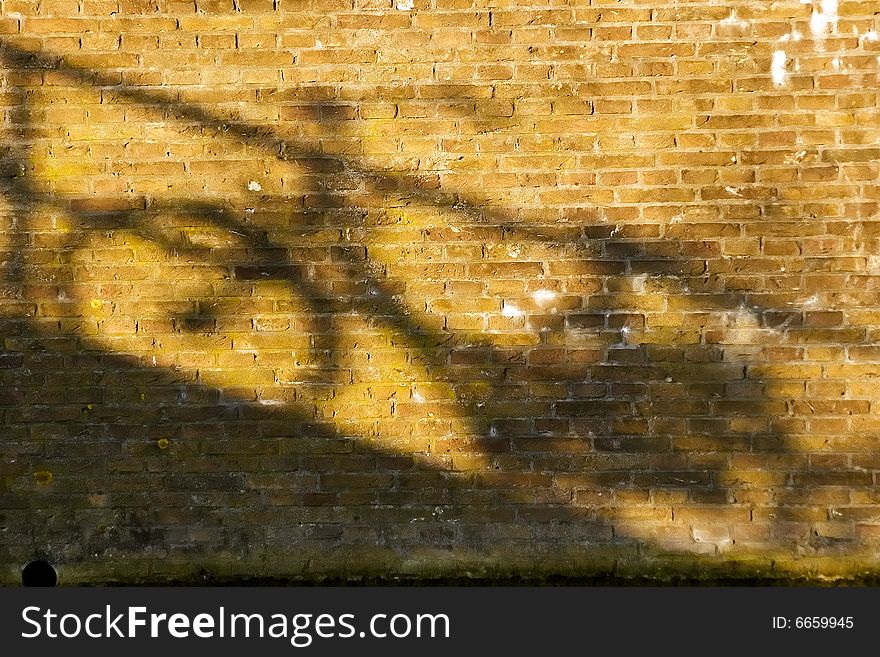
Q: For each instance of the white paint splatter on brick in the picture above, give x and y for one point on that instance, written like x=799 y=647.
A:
x=733 y=25
x=777 y=68
x=794 y=35
x=254 y=186
x=404 y=5
x=829 y=8
x=511 y=311
x=824 y=19
x=733 y=19
x=817 y=24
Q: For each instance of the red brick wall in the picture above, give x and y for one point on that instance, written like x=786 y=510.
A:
x=352 y=288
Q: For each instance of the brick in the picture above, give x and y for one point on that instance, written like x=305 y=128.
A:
x=559 y=274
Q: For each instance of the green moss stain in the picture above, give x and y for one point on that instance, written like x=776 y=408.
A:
x=43 y=477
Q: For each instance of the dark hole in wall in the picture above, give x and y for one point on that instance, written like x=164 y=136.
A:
x=39 y=573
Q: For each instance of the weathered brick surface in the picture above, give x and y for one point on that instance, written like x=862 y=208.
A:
x=343 y=287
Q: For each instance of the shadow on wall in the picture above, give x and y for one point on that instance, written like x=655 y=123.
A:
x=310 y=386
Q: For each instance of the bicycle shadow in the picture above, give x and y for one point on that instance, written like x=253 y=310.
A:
x=589 y=431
